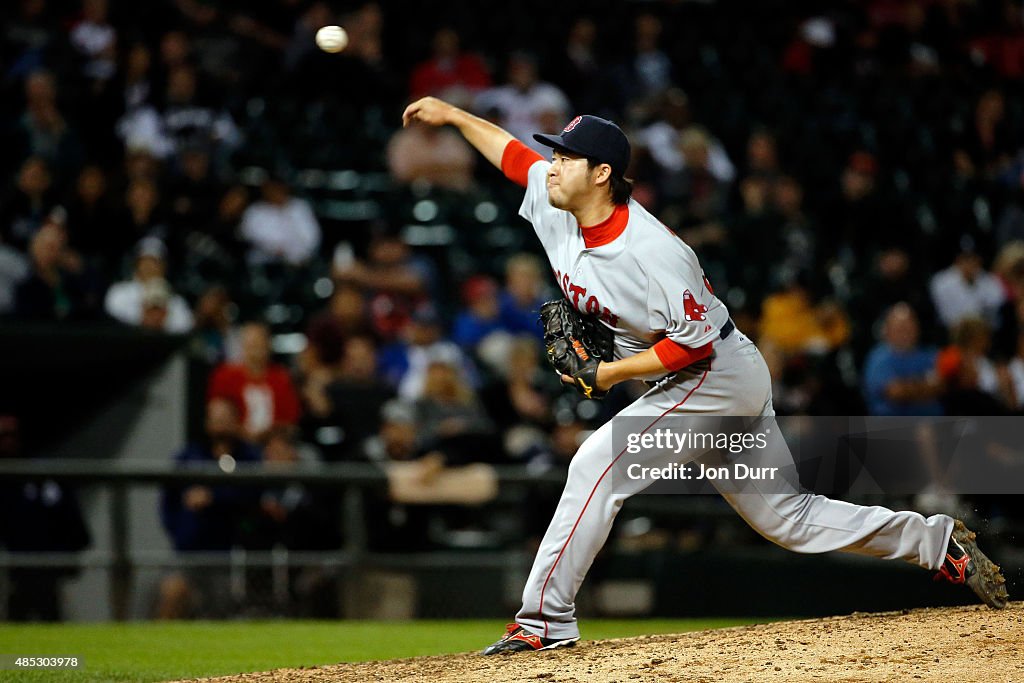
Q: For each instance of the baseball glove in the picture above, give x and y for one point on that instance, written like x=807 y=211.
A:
x=576 y=344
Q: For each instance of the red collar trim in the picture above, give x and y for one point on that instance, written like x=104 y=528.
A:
x=607 y=230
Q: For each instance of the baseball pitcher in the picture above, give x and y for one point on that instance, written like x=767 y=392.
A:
x=642 y=289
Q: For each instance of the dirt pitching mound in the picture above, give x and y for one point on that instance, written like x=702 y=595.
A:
x=948 y=644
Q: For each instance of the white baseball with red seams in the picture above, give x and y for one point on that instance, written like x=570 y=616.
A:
x=647 y=284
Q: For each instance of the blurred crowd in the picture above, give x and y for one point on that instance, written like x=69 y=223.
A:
x=851 y=174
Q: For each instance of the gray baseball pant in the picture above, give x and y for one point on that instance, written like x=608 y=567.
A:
x=737 y=384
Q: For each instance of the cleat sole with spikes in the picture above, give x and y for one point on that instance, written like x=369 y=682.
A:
x=986 y=580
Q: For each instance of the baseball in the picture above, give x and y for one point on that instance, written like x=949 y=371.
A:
x=331 y=38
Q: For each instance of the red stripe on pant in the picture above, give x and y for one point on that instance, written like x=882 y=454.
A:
x=565 y=545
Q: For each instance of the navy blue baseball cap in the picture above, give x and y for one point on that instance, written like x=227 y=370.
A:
x=592 y=137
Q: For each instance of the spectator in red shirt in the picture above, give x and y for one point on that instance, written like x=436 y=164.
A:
x=262 y=390
x=449 y=73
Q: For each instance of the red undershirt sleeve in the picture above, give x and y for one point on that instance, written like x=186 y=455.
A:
x=676 y=356
x=516 y=161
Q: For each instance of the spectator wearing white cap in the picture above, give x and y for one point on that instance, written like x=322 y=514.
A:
x=129 y=300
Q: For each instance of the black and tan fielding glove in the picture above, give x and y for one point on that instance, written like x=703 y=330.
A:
x=576 y=344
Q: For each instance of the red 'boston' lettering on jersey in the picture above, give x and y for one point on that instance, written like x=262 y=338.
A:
x=592 y=305
x=577 y=292
x=691 y=309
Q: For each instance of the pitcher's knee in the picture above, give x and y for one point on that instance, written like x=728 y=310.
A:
x=779 y=515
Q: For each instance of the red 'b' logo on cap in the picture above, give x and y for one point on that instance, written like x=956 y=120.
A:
x=572 y=124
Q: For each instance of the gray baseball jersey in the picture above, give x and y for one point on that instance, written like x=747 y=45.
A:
x=646 y=284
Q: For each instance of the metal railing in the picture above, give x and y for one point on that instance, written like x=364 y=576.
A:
x=352 y=480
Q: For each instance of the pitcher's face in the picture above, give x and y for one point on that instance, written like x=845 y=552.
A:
x=569 y=180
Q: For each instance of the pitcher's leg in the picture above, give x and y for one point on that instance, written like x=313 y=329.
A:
x=809 y=523
x=583 y=519
x=578 y=530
